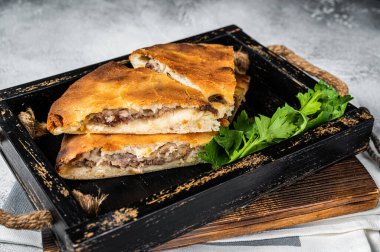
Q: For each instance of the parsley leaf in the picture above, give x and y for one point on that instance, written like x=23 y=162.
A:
x=243 y=122
x=249 y=135
x=229 y=139
x=214 y=154
x=332 y=105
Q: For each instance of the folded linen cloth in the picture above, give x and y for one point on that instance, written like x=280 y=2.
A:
x=23 y=240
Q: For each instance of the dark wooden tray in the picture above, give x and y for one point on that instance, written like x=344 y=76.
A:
x=144 y=211
x=343 y=188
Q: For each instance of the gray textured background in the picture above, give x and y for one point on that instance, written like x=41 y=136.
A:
x=42 y=38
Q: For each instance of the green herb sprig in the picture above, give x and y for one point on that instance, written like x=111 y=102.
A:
x=249 y=135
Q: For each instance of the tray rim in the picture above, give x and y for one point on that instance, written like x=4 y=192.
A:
x=7 y=116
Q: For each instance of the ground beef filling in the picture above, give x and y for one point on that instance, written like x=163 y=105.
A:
x=155 y=66
x=112 y=117
x=165 y=154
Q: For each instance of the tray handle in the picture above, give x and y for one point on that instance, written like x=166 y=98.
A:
x=43 y=219
x=309 y=68
x=338 y=84
x=32 y=221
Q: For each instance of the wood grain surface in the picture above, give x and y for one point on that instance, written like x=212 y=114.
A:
x=343 y=188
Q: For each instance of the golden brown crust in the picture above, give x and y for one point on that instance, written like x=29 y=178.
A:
x=209 y=66
x=114 y=86
x=241 y=89
x=73 y=145
x=242 y=82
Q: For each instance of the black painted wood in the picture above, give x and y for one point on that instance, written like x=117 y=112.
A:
x=172 y=202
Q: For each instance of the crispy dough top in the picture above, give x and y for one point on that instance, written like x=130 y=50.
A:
x=114 y=86
x=209 y=66
x=73 y=145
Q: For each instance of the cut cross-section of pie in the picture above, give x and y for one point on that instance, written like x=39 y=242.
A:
x=208 y=68
x=242 y=86
x=96 y=156
x=115 y=99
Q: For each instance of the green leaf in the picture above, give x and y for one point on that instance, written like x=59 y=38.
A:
x=282 y=123
x=252 y=131
x=333 y=105
x=304 y=98
x=321 y=118
x=229 y=140
x=262 y=124
x=214 y=154
x=242 y=123
x=249 y=135
x=309 y=102
x=255 y=146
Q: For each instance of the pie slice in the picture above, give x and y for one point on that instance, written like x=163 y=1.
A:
x=115 y=99
x=96 y=156
x=208 y=68
x=242 y=86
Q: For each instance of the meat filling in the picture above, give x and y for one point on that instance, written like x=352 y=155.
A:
x=167 y=153
x=113 y=117
x=155 y=66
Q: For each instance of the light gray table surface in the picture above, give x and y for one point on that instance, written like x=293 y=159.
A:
x=42 y=38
